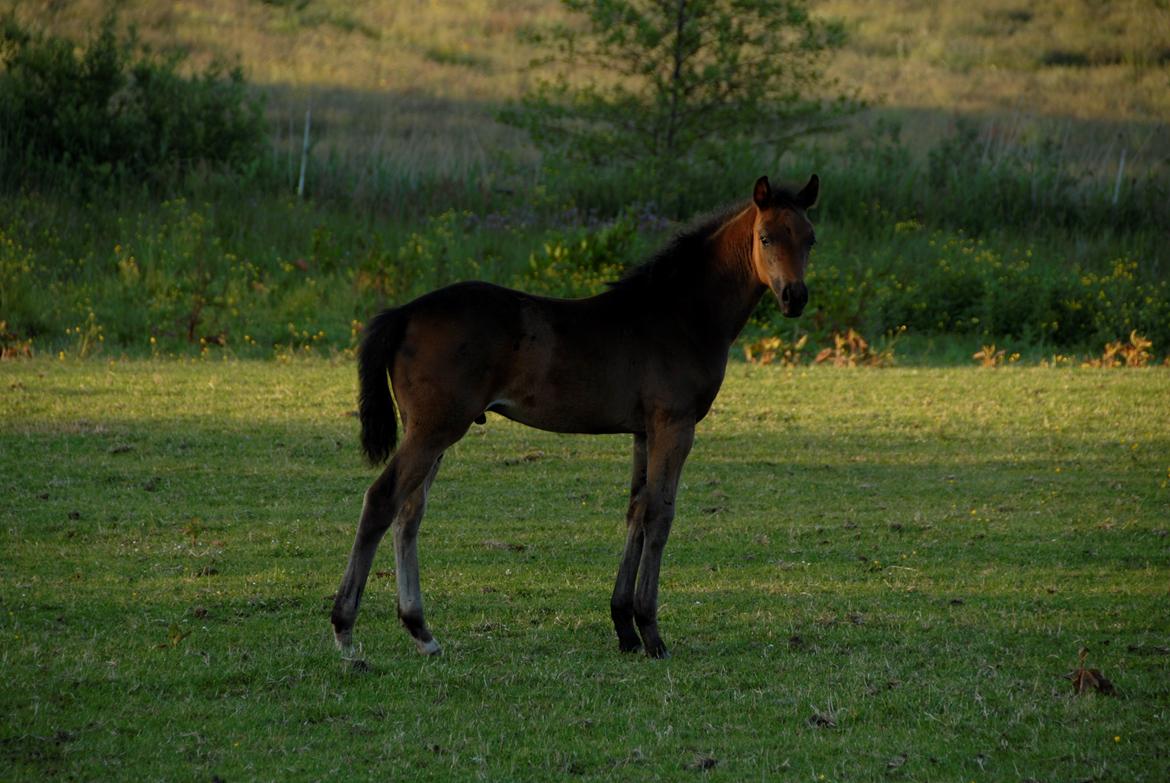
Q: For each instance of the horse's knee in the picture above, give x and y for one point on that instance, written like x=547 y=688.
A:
x=658 y=521
x=637 y=505
x=645 y=613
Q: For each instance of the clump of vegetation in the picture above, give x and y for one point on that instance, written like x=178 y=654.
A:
x=1120 y=353
x=776 y=350
x=116 y=112
x=210 y=274
x=670 y=90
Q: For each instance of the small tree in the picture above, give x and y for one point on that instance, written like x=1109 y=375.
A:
x=663 y=82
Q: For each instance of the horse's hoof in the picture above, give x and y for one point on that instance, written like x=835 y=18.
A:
x=344 y=642
x=630 y=645
x=658 y=651
x=429 y=647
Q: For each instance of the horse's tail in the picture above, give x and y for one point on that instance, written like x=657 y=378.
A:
x=375 y=405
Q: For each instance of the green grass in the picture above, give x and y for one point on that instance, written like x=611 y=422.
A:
x=915 y=554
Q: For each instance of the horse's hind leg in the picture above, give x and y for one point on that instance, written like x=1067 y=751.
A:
x=621 y=605
x=410 y=605
x=387 y=496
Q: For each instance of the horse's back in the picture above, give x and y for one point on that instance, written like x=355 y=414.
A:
x=566 y=365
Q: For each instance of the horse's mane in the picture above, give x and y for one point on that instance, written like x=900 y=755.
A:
x=680 y=259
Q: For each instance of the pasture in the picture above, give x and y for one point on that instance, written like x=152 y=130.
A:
x=874 y=574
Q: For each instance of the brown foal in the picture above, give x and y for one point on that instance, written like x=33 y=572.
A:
x=645 y=357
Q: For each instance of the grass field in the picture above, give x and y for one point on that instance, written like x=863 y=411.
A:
x=875 y=574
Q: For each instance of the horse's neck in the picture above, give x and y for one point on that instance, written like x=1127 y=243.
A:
x=731 y=289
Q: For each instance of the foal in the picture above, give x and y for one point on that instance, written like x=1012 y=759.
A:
x=645 y=357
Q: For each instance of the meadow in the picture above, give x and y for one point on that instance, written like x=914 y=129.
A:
x=874 y=575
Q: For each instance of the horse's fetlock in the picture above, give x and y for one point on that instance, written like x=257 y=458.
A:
x=413 y=622
x=341 y=619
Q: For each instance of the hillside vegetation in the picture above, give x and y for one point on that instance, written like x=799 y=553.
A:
x=1007 y=183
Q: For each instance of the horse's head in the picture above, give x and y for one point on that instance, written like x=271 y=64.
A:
x=781 y=240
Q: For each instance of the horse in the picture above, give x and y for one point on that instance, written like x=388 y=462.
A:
x=646 y=357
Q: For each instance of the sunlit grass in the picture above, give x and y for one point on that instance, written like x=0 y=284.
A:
x=874 y=573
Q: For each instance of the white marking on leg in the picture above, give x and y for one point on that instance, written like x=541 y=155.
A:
x=429 y=648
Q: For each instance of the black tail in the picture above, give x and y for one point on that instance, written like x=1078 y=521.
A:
x=375 y=405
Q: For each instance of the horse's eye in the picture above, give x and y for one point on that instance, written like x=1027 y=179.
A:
x=764 y=240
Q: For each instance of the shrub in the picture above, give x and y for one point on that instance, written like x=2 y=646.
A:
x=579 y=262
x=116 y=112
x=949 y=283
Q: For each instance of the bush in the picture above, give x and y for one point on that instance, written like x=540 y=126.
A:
x=579 y=262
x=943 y=283
x=115 y=112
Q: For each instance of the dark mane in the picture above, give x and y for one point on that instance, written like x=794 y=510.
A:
x=681 y=257
x=678 y=256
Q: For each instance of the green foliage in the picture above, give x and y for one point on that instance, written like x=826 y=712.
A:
x=22 y=299
x=947 y=283
x=579 y=262
x=980 y=179
x=250 y=276
x=676 y=85
x=116 y=112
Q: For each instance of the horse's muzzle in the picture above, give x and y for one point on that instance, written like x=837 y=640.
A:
x=793 y=297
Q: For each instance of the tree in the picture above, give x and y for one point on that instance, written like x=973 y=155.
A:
x=663 y=82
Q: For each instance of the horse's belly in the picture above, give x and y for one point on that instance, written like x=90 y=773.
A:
x=565 y=416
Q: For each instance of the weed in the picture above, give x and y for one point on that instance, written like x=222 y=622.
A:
x=852 y=350
x=774 y=350
x=1134 y=353
x=989 y=357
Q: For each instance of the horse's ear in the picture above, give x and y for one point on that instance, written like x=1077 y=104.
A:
x=807 y=198
x=763 y=193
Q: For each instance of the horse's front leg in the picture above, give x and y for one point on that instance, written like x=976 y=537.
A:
x=621 y=605
x=668 y=447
